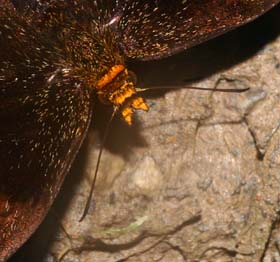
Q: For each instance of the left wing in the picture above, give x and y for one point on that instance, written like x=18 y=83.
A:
x=44 y=116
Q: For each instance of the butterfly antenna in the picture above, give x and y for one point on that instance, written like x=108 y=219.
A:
x=227 y=90
x=97 y=164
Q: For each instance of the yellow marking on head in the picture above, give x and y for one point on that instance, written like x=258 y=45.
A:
x=138 y=103
x=120 y=95
x=108 y=78
x=127 y=114
x=120 y=92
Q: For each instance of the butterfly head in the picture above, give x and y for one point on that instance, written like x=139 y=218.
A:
x=117 y=87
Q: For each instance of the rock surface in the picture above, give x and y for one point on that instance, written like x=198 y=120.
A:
x=195 y=179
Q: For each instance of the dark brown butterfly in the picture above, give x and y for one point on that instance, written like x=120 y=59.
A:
x=56 y=55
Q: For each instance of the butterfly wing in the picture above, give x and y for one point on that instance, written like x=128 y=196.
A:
x=154 y=29
x=44 y=115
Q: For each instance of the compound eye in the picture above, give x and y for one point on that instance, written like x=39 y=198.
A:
x=132 y=77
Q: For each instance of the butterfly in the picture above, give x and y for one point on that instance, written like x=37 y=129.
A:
x=55 y=57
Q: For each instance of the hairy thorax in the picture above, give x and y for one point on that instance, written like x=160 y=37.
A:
x=100 y=66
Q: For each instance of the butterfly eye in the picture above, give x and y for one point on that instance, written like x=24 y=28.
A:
x=132 y=77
